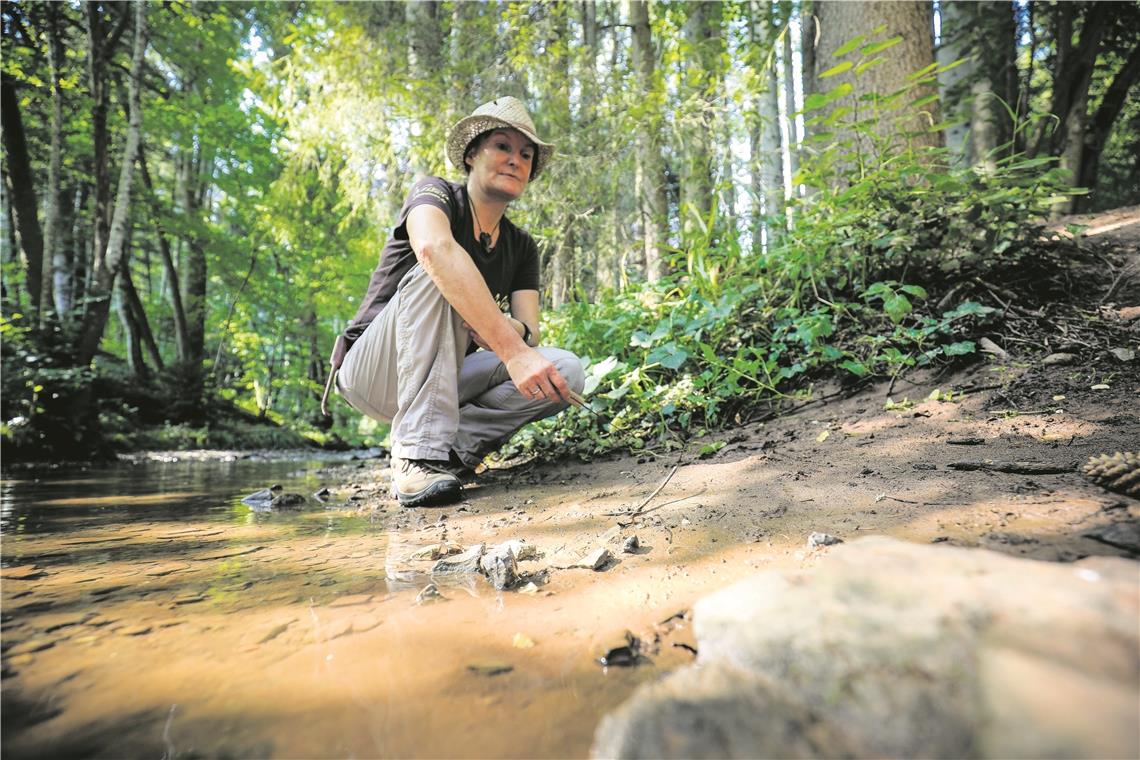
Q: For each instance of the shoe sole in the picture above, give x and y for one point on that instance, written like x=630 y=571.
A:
x=443 y=492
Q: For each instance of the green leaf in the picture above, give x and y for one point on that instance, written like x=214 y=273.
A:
x=914 y=290
x=896 y=307
x=869 y=64
x=961 y=348
x=837 y=69
x=859 y=369
x=878 y=47
x=920 y=102
x=709 y=449
x=849 y=46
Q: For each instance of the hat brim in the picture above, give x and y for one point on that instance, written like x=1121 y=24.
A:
x=471 y=127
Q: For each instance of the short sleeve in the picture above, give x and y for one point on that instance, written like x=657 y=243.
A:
x=527 y=273
x=428 y=191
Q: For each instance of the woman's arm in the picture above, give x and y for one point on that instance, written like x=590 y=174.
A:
x=459 y=280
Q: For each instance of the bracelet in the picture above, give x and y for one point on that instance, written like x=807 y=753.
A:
x=526 y=332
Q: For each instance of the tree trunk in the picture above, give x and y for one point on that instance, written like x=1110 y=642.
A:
x=21 y=185
x=139 y=319
x=106 y=266
x=700 y=85
x=809 y=31
x=181 y=334
x=52 y=226
x=65 y=263
x=767 y=160
x=954 y=85
x=995 y=80
x=912 y=20
x=1096 y=136
x=789 y=89
x=650 y=169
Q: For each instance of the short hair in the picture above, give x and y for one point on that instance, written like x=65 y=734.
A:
x=477 y=143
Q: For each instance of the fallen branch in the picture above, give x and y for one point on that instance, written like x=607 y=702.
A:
x=1016 y=468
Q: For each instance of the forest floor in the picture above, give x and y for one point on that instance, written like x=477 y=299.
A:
x=374 y=671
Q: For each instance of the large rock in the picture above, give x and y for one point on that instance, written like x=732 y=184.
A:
x=894 y=649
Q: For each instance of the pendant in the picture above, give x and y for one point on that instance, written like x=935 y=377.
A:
x=485 y=240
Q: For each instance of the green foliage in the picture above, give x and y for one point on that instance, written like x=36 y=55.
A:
x=853 y=290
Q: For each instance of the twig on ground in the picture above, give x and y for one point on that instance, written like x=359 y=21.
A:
x=1015 y=468
x=647 y=511
x=637 y=511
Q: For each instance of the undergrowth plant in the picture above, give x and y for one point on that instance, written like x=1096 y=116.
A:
x=863 y=285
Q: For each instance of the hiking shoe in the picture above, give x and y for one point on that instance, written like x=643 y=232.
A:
x=420 y=482
x=459 y=468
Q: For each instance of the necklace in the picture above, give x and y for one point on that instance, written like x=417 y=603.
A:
x=484 y=237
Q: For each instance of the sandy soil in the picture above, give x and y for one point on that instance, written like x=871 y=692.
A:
x=330 y=655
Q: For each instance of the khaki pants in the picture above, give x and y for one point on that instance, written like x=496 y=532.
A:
x=409 y=368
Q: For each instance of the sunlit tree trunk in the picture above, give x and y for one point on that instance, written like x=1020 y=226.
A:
x=701 y=80
x=789 y=83
x=106 y=265
x=954 y=84
x=52 y=243
x=767 y=160
x=650 y=168
x=912 y=20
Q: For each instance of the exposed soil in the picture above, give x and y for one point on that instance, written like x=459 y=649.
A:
x=298 y=634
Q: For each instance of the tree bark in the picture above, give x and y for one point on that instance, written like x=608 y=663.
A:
x=767 y=160
x=106 y=266
x=789 y=89
x=181 y=334
x=1099 y=129
x=139 y=319
x=700 y=86
x=912 y=20
x=21 y=186
x=52 y=244
x=954 y=85
x=650 y=168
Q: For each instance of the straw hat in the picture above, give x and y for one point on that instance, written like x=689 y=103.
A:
x=505 y=112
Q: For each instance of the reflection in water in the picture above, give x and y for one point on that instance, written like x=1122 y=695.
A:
x=146 y=610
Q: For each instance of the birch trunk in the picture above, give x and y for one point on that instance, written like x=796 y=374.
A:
x=106 y=266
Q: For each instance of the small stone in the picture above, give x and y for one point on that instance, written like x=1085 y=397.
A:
x=490 y=668
x=519 y=547
x=258 y=498
x=1122 y=535
x=1123 y=354
x=595 y=560
x=500 y=567
x=522 y=641
x=322 y=495
x=285 y=500
x=529 y=588
x=1059 y=359
x=430 y=593
x=22 y=659
x=631 y=545
x=466 y=562
x=815 y=540
x=1100 y=387
x=1059 y=397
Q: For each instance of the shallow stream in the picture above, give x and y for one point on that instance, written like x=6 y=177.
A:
x=148 y=612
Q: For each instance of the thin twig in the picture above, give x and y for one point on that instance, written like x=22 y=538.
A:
x=656 y=491
x=659 y=506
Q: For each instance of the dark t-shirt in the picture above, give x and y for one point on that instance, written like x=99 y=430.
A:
x=511 y=265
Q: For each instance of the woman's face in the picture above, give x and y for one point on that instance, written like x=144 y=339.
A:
x=502 y=163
